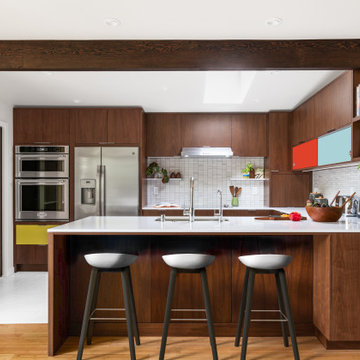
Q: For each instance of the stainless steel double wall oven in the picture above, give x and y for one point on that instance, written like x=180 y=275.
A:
x=42 y=182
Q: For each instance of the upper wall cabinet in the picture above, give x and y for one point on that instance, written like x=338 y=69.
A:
x=124 y=125
x=305 y=155
x=206 y=130
x=163 y=134
x=90 y=126
x=329 y=109
x=335 y=147
x=249 y=134
x=41 y=126
x=107 y=126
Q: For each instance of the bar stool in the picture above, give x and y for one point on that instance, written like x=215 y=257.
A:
x=109 y=262
x=266 y=264
x=188 y=263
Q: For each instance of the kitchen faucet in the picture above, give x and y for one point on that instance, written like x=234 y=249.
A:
x=191 y=211
x=220 y=211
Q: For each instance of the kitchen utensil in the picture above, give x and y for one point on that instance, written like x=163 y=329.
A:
x=232 y=190
x=235 y=191
x=276 y=217
x=332 y=201
x=238 y=191
x=324 y=214
x=348 y=200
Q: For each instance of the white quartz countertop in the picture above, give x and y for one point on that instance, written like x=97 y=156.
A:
x=236 y=225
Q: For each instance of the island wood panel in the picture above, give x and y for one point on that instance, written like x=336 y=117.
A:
x=206 y=129
x=124 y=125
x=279 y=156
x=90 y=126
x=152 y=55
x=345 y=287
x=322 y=284
x=299 y=278
x=59 y=291
x=249 y=134
x=110 y=292
x=163 y=134
x=188 y=289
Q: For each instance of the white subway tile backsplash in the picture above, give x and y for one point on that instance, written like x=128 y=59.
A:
x=210 y=175
x=329 y=181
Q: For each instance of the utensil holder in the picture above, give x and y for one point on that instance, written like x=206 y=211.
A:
x=235 y=201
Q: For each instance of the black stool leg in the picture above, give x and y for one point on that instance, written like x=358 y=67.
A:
x=87 y=312
x=127 y=301
x=242 y=308
x=206 y=293
x=285 y=294
x=281 y=308
x=133 y=309
x=167 y=312
x=247 y=313
x=93 y=307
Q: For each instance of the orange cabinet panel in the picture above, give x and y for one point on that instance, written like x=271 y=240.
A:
x=305 y=155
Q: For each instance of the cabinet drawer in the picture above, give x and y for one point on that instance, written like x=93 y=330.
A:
x=32 y=234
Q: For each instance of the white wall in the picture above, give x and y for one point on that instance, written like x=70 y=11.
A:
x=6 y=122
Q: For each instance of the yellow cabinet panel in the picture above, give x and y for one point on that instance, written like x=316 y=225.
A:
x=32 y=234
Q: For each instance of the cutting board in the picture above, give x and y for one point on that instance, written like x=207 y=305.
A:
x=276 y=217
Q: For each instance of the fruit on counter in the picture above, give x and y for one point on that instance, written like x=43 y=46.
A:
x=295 y=216
x=285 y=215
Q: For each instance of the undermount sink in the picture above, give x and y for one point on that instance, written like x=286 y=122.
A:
x=185 y=218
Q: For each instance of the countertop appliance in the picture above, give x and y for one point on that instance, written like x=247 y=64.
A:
x=106 y=181
x=39 y=161
x=42 y=183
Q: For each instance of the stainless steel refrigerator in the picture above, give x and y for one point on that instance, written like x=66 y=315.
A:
x=106 y=181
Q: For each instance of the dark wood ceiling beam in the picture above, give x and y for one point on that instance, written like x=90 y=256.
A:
x=121 y=55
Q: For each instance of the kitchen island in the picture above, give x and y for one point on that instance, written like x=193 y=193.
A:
x=323 y=277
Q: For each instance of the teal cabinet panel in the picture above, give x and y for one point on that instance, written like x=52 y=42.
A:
x=335 y=147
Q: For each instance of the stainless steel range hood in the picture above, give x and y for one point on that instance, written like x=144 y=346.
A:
x=207 y=151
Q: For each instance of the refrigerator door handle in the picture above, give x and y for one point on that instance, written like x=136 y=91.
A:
x=102 y=191
x=98 y=188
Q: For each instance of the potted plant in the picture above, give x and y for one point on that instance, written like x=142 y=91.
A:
x=249 y=171
x=153 y=170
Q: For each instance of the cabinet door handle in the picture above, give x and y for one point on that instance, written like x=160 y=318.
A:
x=106 y=142
x=329 y=131
x=274 y=171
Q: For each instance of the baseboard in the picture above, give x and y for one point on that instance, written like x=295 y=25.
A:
x=336 y=345
x=31 y=267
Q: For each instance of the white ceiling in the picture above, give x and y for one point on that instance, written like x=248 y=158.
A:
x=177 y=91
x=185 y=19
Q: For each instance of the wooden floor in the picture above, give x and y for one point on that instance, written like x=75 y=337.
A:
x=30 y=342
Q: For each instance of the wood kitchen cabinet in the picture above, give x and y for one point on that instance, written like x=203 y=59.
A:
x=329 y=109
x=163 y=134
x=206 y=130
x=90 y=126
x=291 y=189
x=124 y=125
x=249 y=134
x=279 y=156
x=119 y=126
x=41 y=126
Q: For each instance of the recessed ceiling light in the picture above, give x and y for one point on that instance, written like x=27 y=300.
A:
x=274 y=21
x=76 y=101
x=113 y=22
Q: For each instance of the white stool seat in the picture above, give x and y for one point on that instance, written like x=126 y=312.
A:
x=266 y=261
x=188 y=261
x=110 y=260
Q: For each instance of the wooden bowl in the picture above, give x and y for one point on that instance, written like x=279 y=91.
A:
x=324 y=214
